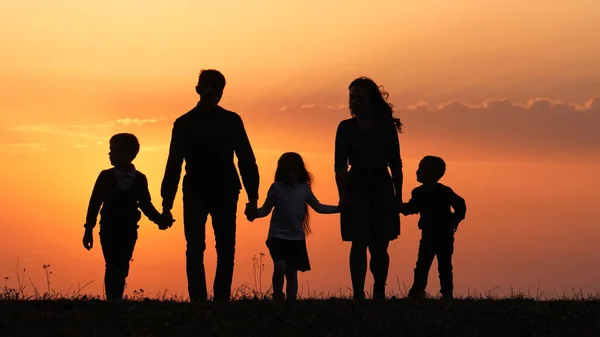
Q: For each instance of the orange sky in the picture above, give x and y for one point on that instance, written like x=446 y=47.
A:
x=505 y=91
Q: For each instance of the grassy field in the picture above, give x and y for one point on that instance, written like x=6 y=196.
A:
x=324 y=317
x=26 y=310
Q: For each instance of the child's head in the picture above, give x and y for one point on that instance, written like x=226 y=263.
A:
x=124 y=147
x=431 y=169
x=291 y=169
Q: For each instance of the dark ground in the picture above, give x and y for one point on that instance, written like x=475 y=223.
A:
x=335 y=317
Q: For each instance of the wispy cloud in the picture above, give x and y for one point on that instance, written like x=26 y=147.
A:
x=536 y=122
x=283 y=108
x=308 y=106
x=94 y=132
x=23 y=148
x=70 y=131
x=136 y=121
x=543 y=124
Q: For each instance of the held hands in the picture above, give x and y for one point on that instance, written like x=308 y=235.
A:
x=166 y=220
x=88 y=239
x=251 y=211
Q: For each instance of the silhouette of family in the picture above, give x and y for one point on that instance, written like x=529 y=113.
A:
x=368 y=175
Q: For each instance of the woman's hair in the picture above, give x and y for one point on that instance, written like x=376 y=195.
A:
x=292 y=158
x=381 y=108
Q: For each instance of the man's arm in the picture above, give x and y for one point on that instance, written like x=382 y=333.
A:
x=94 y=204
x=246 y=161
x=172 y=175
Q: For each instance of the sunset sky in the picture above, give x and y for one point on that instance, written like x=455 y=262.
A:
x=508 y=92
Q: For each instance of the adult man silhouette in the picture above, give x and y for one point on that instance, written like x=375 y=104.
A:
x=207 y=138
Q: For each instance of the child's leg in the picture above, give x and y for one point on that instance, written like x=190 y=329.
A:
x=279 y=270
x=358 y=268
x=110 y=252
x=127 y=246
x=445 y=249
x=291 y=277
x=424 y=260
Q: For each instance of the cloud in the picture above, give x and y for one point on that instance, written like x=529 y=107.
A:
x=537 y=124
x=136 y=121
x=93 y=131
x=307 y=106
x=70 y=131
x=29 y=148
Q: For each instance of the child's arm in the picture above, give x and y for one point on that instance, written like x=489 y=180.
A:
x=92 y=213
x=94 y=204
x=269 y=203
x=459 y=205
x=319 y=207
x=145 y=202
x=412 y=206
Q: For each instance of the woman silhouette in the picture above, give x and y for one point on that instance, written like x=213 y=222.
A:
x=370 y=199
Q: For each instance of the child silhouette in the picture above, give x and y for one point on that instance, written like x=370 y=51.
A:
x=120 y=191
x=433 y=200
x=289 y=196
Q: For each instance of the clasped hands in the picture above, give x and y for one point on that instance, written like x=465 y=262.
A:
x=166 y=220
x=251 y=210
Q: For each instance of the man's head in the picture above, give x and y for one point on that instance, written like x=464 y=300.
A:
x=211 y=84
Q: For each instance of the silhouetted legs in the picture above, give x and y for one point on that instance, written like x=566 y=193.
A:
x=117 y=249
x=430 y=246
x=223 y=215
x=379 y=266
x=281 y=271
x=291 y=279
x=278 y=279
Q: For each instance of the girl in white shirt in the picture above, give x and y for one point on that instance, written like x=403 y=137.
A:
x=289 y=195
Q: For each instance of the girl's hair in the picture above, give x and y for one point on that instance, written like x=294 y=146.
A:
x=381 y=108
x=293 y=158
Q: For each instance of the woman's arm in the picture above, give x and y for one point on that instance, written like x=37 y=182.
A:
x=395 y=163
x=342 y=153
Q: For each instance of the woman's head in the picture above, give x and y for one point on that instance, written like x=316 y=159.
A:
x=367 y=98
x=291 y=169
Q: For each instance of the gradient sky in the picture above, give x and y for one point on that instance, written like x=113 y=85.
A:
x=506 y=91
